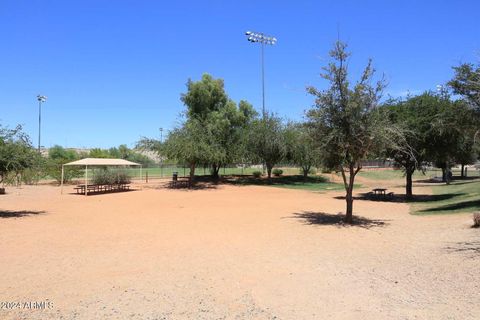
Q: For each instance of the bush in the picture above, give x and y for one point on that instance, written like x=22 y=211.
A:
x=257 y=174
x=476 y=220
x=105 y=176
x=277 y=172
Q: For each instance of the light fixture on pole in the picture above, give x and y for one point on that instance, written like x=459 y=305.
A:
x=258 y=37
x=40 y=99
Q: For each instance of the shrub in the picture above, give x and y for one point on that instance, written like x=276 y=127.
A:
x=103 y=176
x=106 y=176
x=257 y=174
x=277 y=172
x=476 y=220
x=123 y=177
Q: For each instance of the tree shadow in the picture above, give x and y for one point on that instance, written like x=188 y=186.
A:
x=430 y=180
x=337 y=220
x=200 y=183
x=470 y=204
x=465 y=247
x=97 y=193
x=282 y=180
x=402 y=198
x=18 y=214
x=456 y=180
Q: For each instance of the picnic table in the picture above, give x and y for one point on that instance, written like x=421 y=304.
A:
x=379 y=191
x=94 y=188
x=179 y=182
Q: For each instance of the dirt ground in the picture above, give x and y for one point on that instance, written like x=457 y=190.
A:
x=230 y=252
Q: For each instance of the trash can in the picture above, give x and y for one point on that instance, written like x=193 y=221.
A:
x=175 y=176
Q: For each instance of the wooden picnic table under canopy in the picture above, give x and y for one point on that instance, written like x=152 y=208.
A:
x=97 y=162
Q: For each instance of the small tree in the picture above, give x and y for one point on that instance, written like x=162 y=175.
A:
x=266 y=141
x=301 y=148
x=16 y=153
x=57 y=156
x=346 y=121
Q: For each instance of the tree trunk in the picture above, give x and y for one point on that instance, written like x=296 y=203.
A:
x=192 y=174
x=215 y=170
x=448 y=175
x=305 y=171
x=463 y=171
x=269 y=171
x=409 y=184
x=444 y=175
x=349 y=200
x=349 y=191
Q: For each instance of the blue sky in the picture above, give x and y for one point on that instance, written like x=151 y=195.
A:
x=113 y=71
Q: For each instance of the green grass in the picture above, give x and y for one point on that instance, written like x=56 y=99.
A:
x=311 y=183
x=167 y=172
x=459 y=197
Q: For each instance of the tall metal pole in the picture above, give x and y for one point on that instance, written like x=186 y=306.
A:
x=263 y=40
x=39 y=122
x=263 y=81
x=40 y=99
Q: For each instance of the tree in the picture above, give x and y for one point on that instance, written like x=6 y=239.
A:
x=58 y=156
x=208 y=103
x=225 y=129
x=98 y=153
x=466 y=82
x=416 y=116
x=266 y=141
x=204 y=96
x=16 y=152
x=452 y=128
x=187 y=144
x=346 y=121
x=301 y=148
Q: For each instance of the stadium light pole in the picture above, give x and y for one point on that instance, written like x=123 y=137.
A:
x=259 y=37
x=40 y=99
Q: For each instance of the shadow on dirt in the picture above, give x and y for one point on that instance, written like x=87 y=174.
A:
x=18 y=214
x=337 y=220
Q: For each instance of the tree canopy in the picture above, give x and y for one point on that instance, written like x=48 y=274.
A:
x=16 y=152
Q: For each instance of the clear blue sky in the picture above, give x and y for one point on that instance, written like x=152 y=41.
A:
x=113 y=71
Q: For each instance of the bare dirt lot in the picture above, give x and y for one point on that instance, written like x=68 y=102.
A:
x=231 y=253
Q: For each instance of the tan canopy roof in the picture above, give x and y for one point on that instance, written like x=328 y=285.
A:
x=102 y=162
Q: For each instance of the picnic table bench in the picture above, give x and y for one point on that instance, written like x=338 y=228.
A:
x=381 y=192
x=95 y=188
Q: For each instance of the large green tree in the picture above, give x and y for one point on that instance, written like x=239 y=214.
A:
x=204 y=96
x=466 y=82
x=347 y=123
x=212 y=132
x=416 y=115
x=186 y=144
